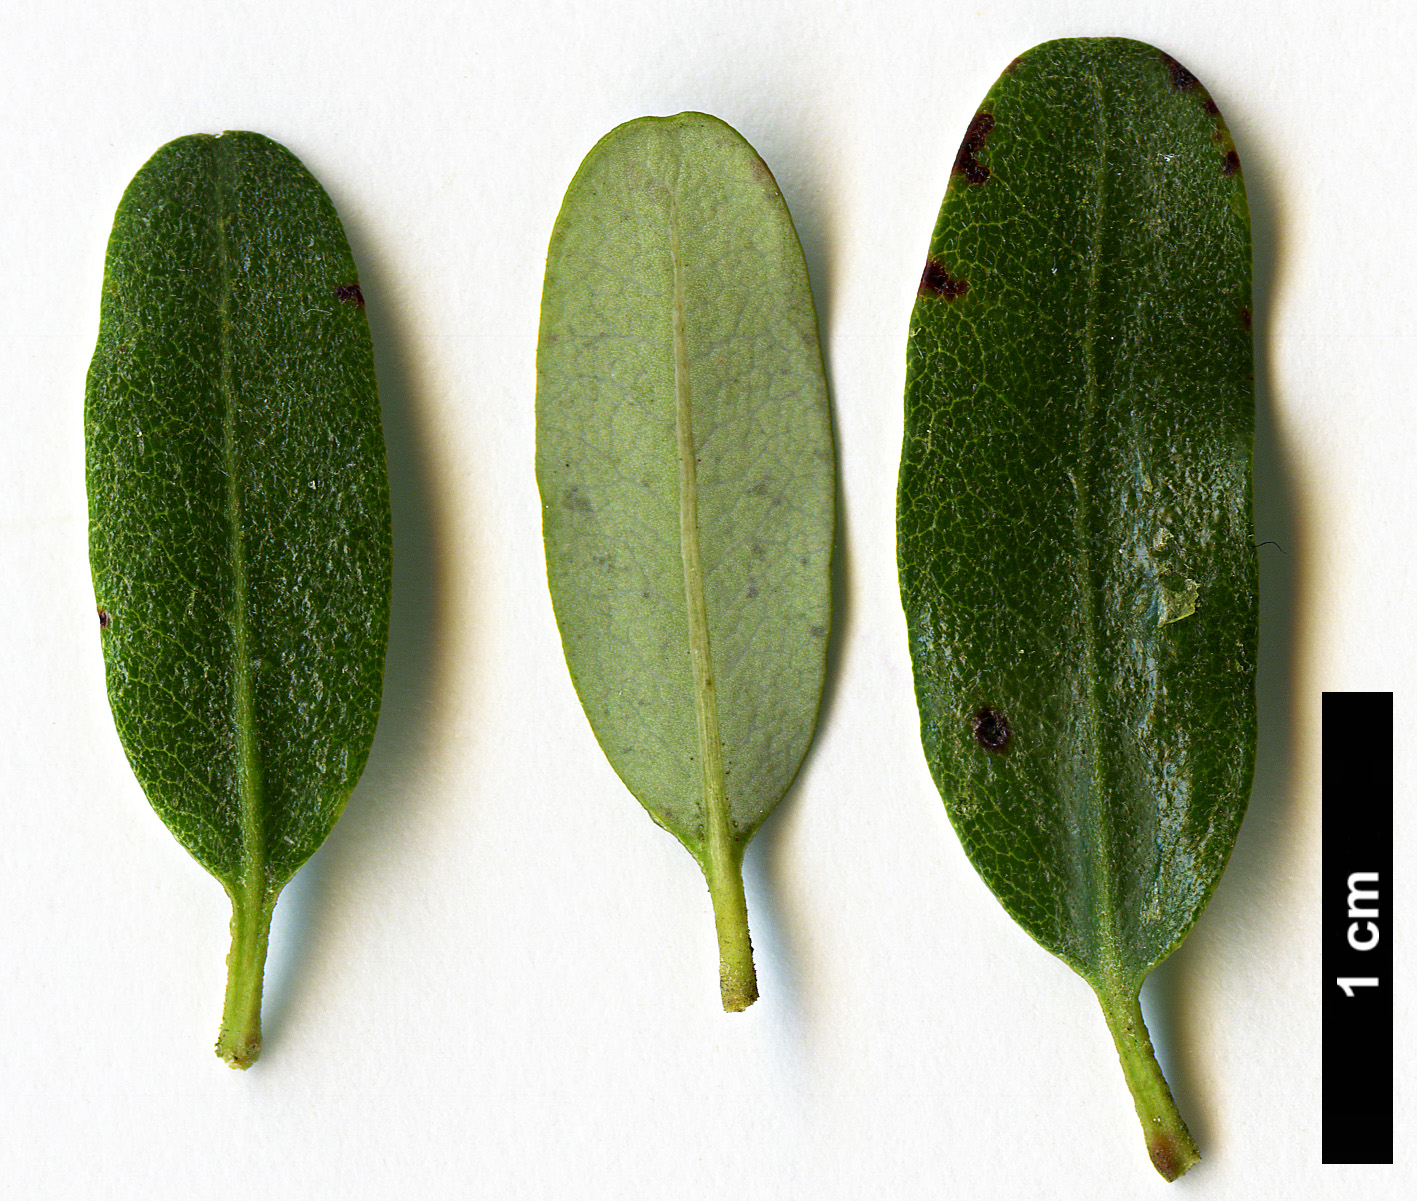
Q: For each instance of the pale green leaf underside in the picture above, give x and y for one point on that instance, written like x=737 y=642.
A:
x=1075 y=533
x=674 y=235
x=238 y=504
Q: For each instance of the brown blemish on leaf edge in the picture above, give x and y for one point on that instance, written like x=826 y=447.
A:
x=763 y=173
x=936 y=281
x=1230 y=164
x=975 y=137
x=103 y=619
x=350 y=294
x=1181 y=79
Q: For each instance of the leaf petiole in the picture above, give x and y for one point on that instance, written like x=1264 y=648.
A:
x=737 y=978
x=240 y=1040
x=1168 y=1141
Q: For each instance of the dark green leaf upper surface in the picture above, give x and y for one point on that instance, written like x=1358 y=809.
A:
x=238 y=503
x=1075 y=535
x=686 y=468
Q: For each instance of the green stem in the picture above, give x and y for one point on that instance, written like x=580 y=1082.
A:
x=1168 y=1142
x=737 y=978
x=240 y=1040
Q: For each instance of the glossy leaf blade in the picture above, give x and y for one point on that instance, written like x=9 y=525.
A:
x=239 y=527
x=685 y=462
x=1076 y=545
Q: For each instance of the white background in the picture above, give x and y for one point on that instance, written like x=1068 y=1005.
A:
x=498 y=978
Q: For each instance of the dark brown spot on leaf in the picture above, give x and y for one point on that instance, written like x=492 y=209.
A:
x=1210 y=108
x=991 y=729
x=1013 y=66
x=1230 y=163
x=975 y=136
x=1246 y=318
x=103 y=619
x=1181 y=79
x=939 y=282
x=350 y=294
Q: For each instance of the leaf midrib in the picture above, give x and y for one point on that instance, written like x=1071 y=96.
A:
x=251 y=881
x=718 y=838
x=1101 y=899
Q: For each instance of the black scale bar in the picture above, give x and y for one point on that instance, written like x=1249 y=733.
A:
x=1357 y=927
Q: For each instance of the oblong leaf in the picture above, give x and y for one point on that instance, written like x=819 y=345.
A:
x=685 y=462
x=239 y=527
x=1076 y=548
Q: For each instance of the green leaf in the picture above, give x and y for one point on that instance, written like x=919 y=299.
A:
x=1077 y=562
x=238 y=520
x=687 y=475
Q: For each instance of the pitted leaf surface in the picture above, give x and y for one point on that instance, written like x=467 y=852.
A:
x=238 y=504
x=1075 y=533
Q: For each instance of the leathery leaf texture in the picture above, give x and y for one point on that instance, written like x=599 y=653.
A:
x=1076 y=551
x=239 y=527
x=685 y=461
